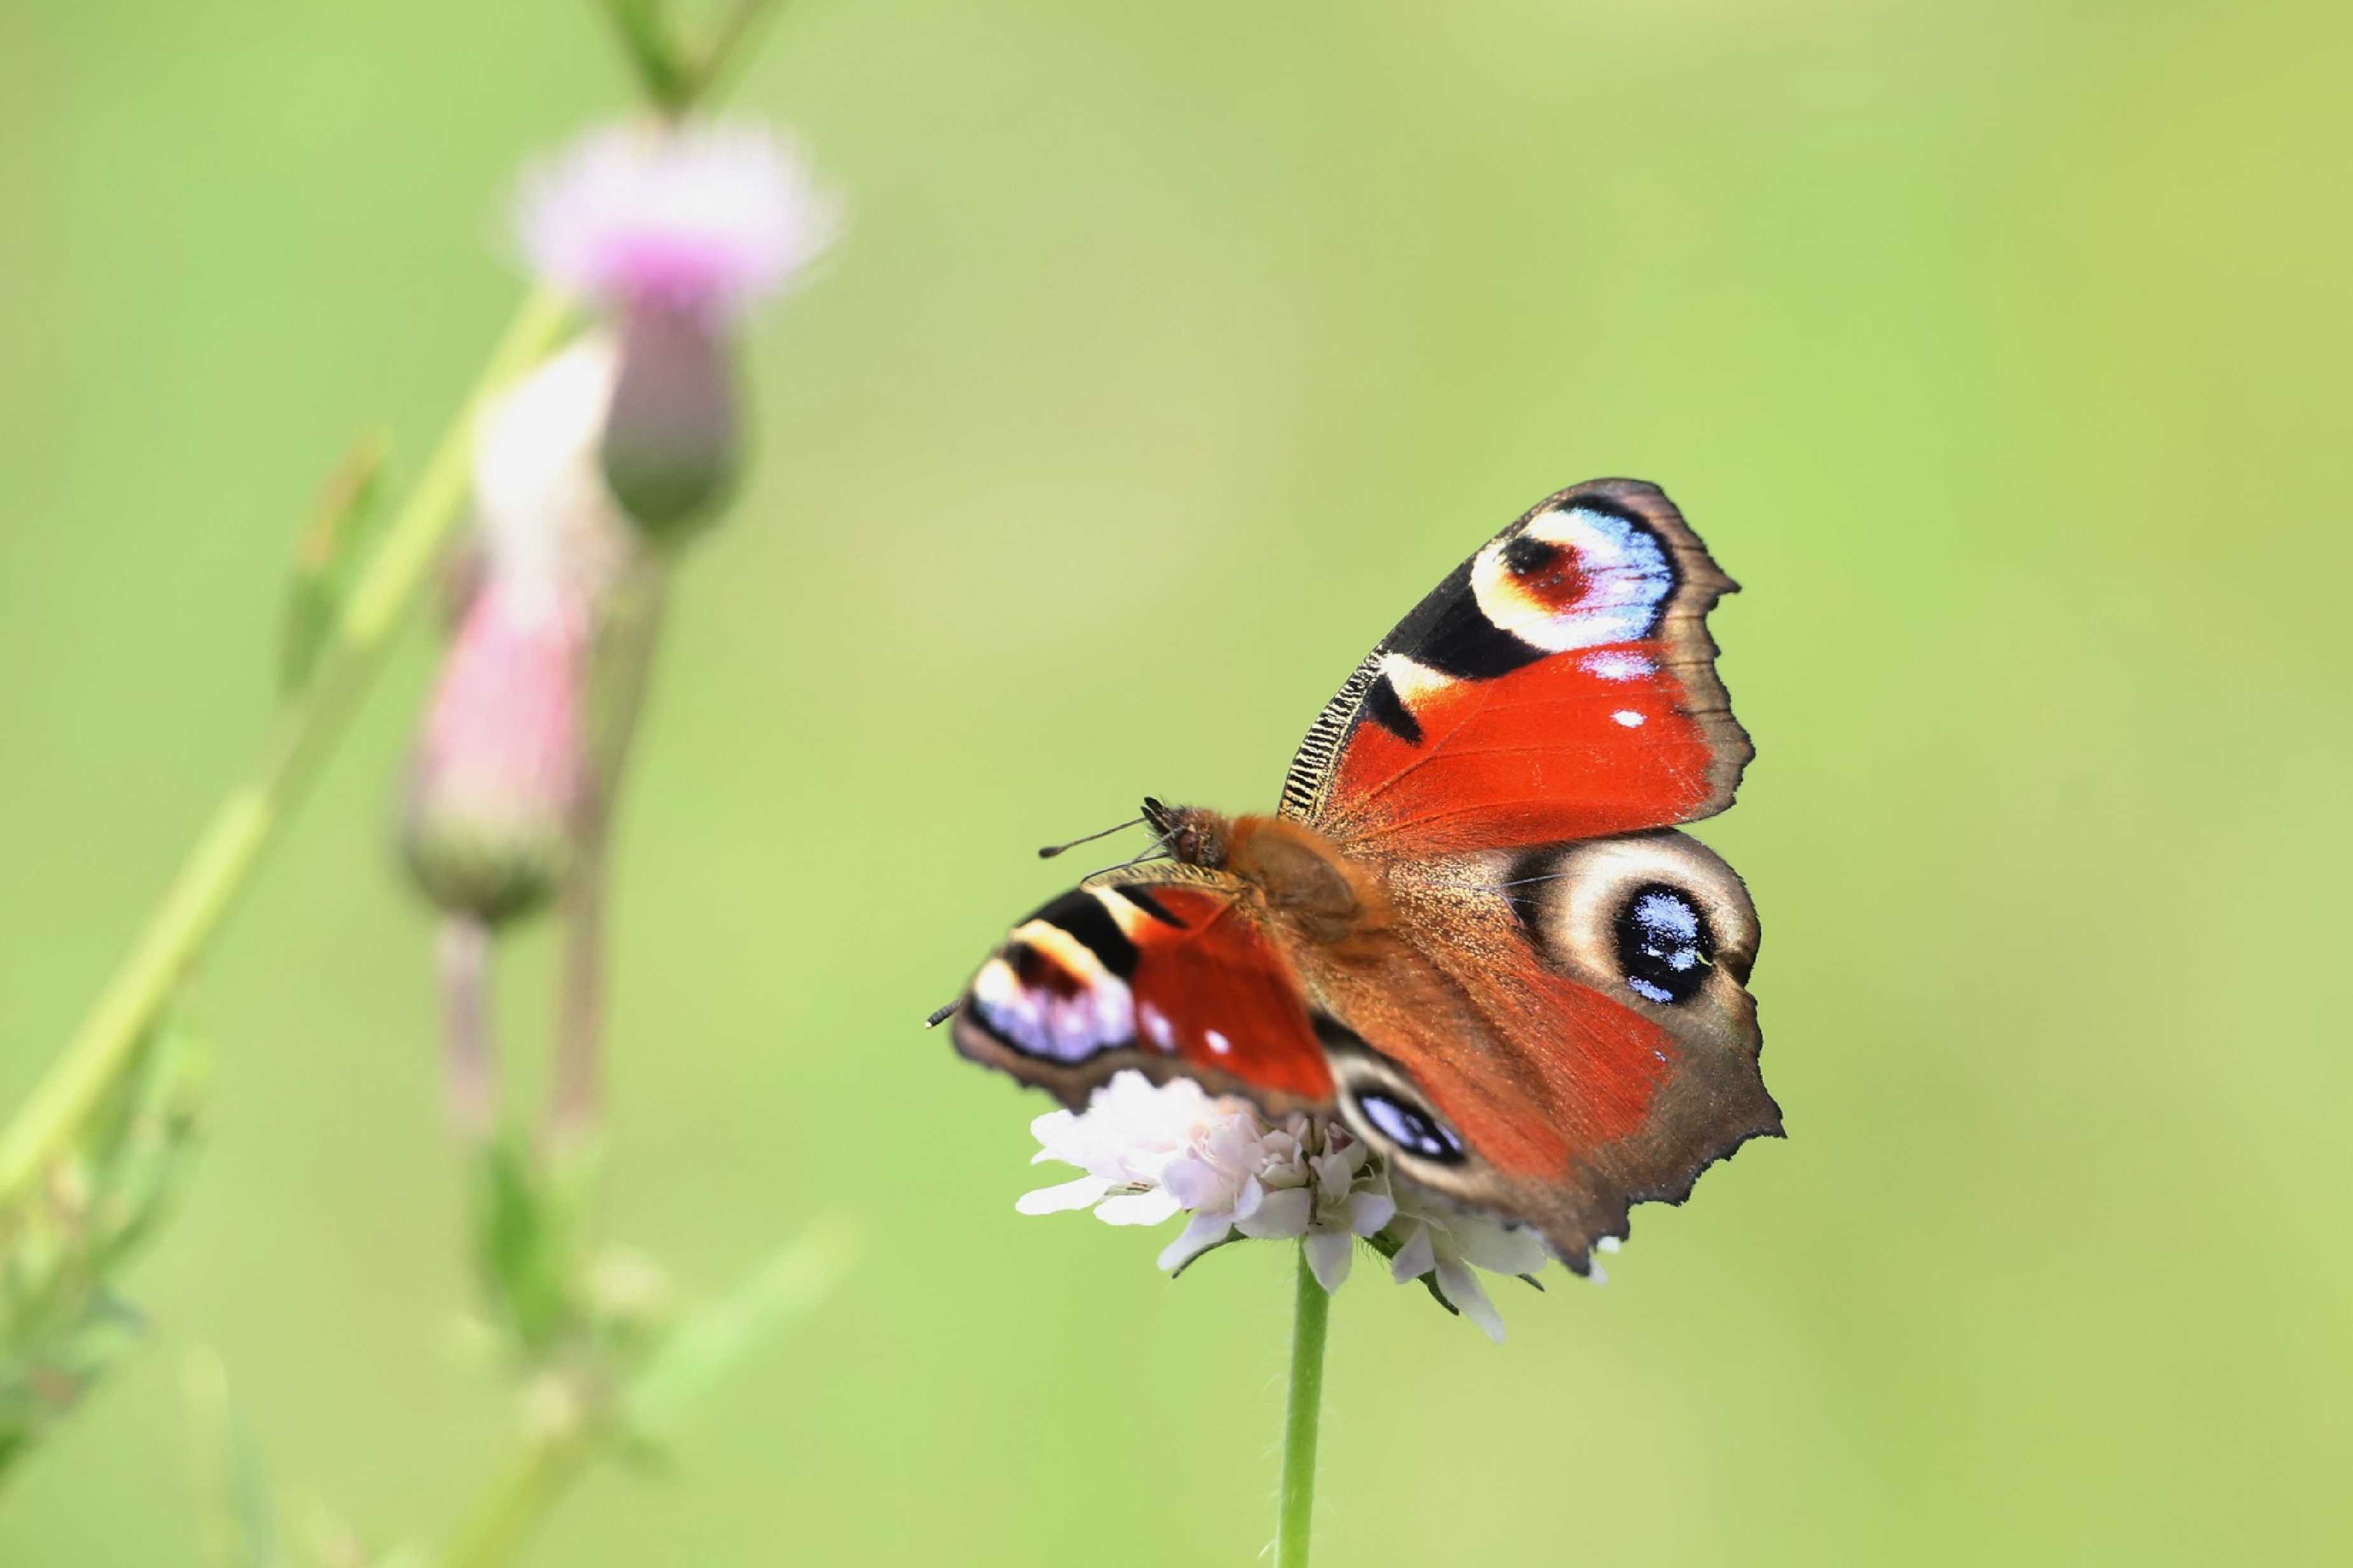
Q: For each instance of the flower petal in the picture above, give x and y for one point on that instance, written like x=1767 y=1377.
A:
x=1075 y=1194
x=1501 y=1250
x=1149 y=1207
x=1462 y=1288
x=1253 y=1194
x=1416 y=1257
x=1202 y=1231
x=1367 y=1212
x=1329 y=1254
x=1278 y=1214
x=1197 y=1184
x=1052 y=1130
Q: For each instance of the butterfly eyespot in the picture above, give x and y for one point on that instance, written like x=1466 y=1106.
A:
x=1410 y=1127
x=1528 y=556
x=1665 y=946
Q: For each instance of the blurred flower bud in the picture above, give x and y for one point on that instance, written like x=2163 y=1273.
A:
x=501 y=768
x=670 y=441
x=675 y=231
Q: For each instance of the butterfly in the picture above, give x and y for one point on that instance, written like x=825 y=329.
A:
x=1469 y=931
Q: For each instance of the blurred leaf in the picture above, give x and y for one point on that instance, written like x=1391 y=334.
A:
x=237 y=1514
x=45 y=1375
x=524 y=1246
x=322 y=558
x=138 y=1175
x=712 y=1342
x=62 y=1326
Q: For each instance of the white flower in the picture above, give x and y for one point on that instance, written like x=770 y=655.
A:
x=1434 y=1238
x=1152 y=1153
x=1124 y=1141
x=707 y=216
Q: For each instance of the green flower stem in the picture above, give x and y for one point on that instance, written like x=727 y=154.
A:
x=1312 y=1317
x=225 y=855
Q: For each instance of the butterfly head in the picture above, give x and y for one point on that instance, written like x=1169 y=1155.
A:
x=1194 y=835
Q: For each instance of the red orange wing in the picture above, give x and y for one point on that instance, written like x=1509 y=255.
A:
x=1165 y=970
x=1560 y=684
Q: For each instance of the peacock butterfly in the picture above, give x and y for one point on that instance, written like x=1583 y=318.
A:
x=1469 y=930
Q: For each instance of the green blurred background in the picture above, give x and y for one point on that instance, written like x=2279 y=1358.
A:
x=1999 y=350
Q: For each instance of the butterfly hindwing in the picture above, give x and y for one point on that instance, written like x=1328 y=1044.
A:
x=1559 y=684
x=1168 y=970
x=1555 y=1033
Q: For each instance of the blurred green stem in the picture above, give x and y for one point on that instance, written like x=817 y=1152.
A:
x=673 y=77
x=1312 y=1316
x=470 y=1069
x=647 y=1409
x=521 y=1498
x=726 y=44
x=626 y=640
x=660 y=72
x=225 y=855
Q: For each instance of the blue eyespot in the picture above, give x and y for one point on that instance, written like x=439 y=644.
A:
x=1409 y=1126
x=1664 y=945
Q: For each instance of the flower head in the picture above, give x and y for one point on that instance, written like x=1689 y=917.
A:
x=674 y=232
x=701 y=217
x=500 y=766
x=500 y=769
x=1152 y=1151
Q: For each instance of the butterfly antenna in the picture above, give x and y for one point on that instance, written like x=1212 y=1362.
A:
x=1145 y=858
x=940 y=1015
x=1051 y=850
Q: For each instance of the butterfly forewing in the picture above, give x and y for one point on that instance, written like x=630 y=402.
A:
x=1560 y=684
x=1168 y=970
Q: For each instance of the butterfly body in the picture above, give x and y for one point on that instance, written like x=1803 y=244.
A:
x=1469 y=931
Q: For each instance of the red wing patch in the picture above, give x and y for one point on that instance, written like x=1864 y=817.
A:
x=1559 y=684
x=1597 y=1067
x=1171 y=976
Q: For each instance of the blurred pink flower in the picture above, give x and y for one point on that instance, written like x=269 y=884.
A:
x=705 y=218
x=500 y=767
x=500 y=764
